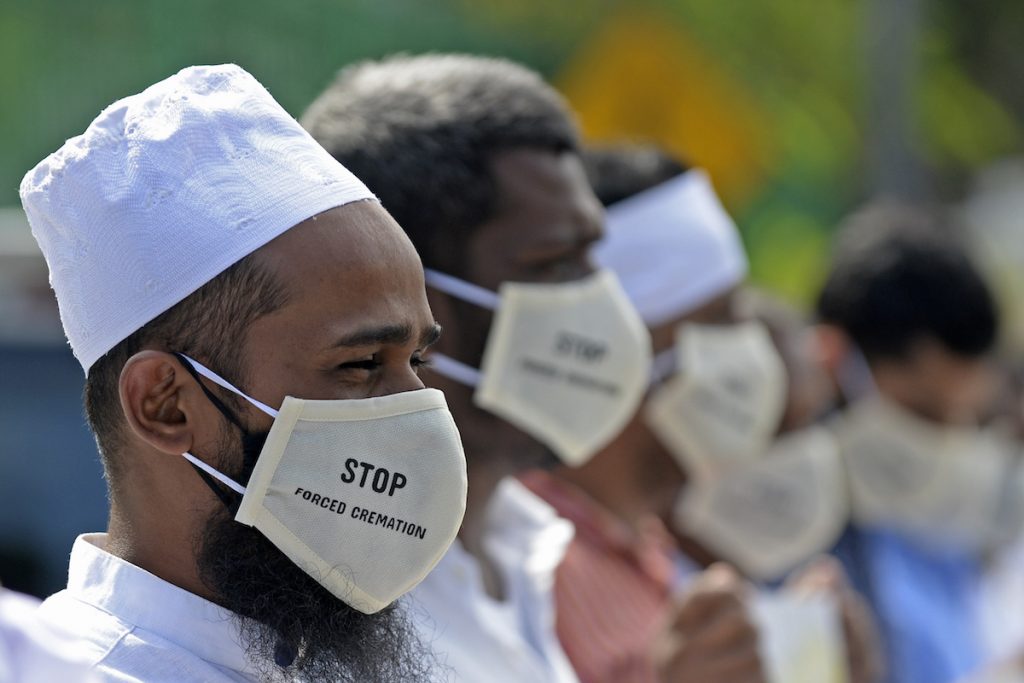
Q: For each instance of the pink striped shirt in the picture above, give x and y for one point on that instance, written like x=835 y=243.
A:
x=612 y=589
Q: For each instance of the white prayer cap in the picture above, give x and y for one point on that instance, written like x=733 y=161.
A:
x=164 y=191
x=673 y=247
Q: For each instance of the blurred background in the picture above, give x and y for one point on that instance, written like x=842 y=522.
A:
x=799 y=109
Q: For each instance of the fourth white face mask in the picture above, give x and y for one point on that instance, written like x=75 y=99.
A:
x=775 y=513
x=567 y=363
x=959 y=484
x=364 y=495
x=726 y=398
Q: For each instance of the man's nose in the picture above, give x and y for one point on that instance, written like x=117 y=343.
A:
x=400 y=380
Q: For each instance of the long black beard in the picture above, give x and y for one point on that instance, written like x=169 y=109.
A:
x=291 y=625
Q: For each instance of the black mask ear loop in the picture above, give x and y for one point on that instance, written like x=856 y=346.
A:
x=228 y=497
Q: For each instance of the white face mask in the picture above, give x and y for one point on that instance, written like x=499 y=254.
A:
x=363 y=495
x=955 y=484
x=725 y=402
x=567 y=363
x=775 y=513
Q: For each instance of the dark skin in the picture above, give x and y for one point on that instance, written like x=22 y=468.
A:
x=355 y=324
x=937 y=385
x=635 y=475
x=544 y=223
x=810 y=391
x=708 y=634
x=929 y=380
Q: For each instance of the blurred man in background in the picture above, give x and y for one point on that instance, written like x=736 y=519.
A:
x=908 y=333
x=810 y=392
x=719 y=392
x=1002 y=589
x=193 y=226
x=478 y=159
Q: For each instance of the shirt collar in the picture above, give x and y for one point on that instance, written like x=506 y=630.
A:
x=649 y=547
x=145 y=601
x=524 y=530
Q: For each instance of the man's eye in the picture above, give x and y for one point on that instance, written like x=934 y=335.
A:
x=365 y=364
x=554 y=266
x=568 y=267
x=418 y=362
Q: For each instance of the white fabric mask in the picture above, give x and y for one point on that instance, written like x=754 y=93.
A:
x=955 y=484
x=725 y=402
x=567 y=363
x=363 y=495
x=775 y=513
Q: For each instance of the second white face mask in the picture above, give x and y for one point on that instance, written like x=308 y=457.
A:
x=775 y=513
x=954 y=484
x=567 y=363
x=364 y=495
x=726 y=399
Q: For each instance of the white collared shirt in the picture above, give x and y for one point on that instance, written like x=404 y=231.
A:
x=137 y=627
x=482 y=640
x=32 y=653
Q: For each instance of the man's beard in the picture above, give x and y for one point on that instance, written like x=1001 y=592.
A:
x=291 y=625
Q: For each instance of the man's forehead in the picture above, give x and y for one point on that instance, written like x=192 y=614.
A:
x=356 y=258
x=349 y=269
x=720 y=310
x=537 y=179
x=927 y=353
x=544 y=204
x=345 y=236
x=537 y=169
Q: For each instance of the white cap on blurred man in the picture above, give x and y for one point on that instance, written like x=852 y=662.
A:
x=700 y=254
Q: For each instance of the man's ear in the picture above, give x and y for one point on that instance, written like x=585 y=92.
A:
x=829 y=347
x=158 y=398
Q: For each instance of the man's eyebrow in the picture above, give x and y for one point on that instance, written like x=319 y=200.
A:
x=554 y=247
x=385 y=334
x=430 y=335
x=388 y=334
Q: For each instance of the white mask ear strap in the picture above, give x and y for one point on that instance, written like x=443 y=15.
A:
x=460 y=289
x=663 y=365
x=855 y=378
x=230 y=483
x=217 y=379
x=447 y=366
x=474 y=294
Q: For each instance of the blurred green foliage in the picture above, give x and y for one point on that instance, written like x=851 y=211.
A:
x=802 y=62
x=62 y=61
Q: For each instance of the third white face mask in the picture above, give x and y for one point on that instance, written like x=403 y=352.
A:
x=775 y=513
x=567 y=363
x=958 y=484
x=726 y=399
